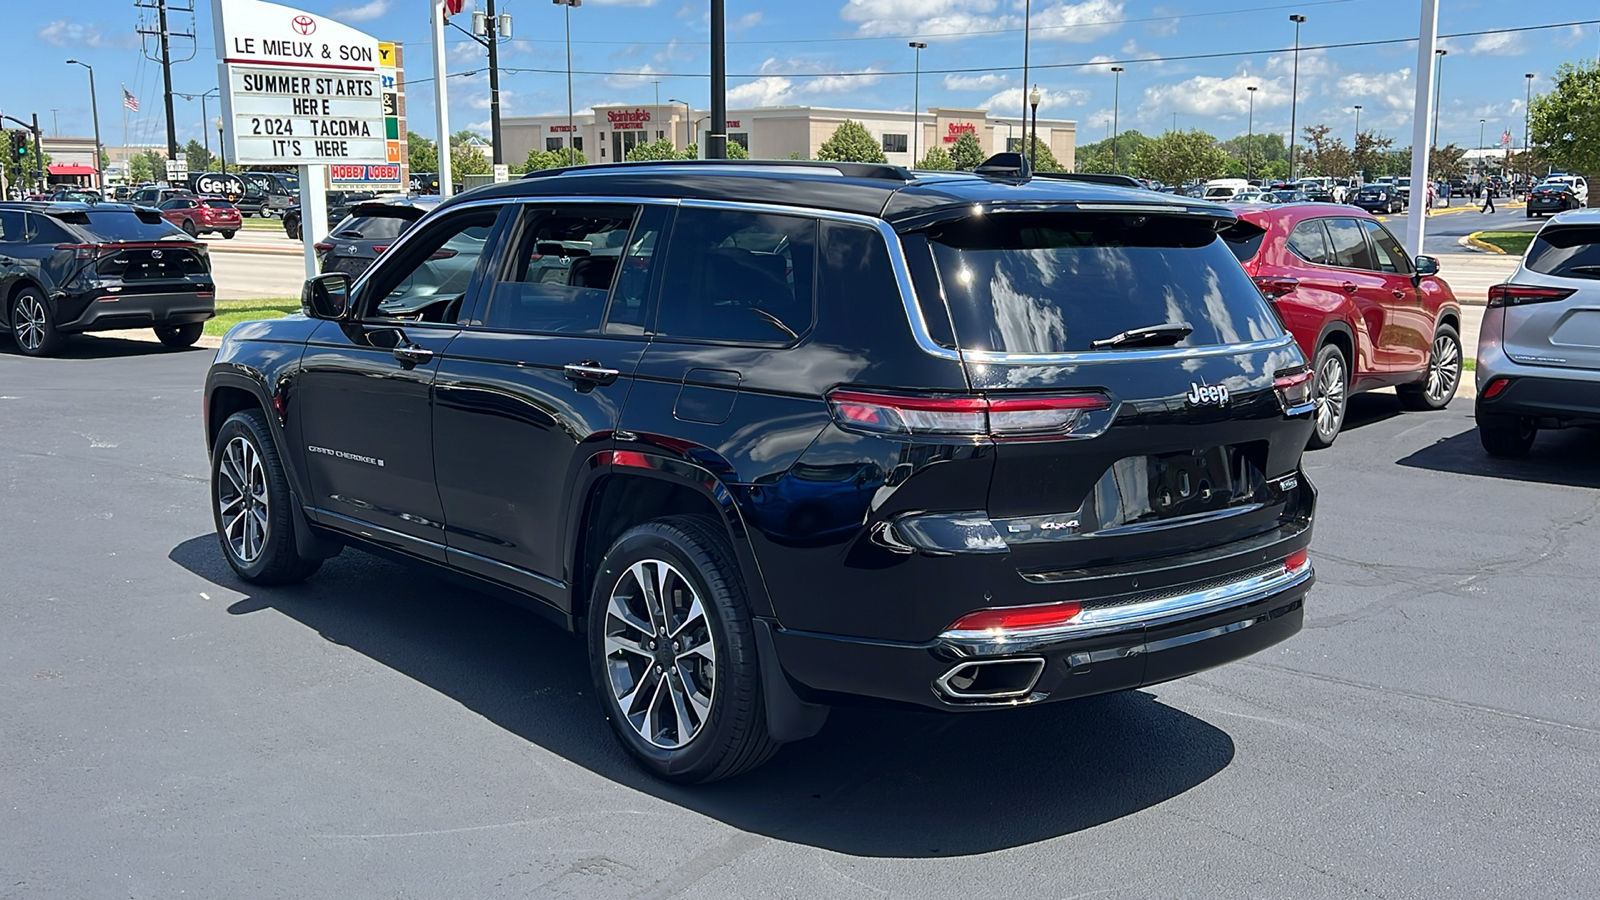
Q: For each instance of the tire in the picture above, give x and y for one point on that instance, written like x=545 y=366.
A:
x=257 y=537
x=1442 y=377
x=1330 y=388
x=189 y=229
x=33 y=327
x=179 y=337
x=1504 y=436
x=726 y=731
x=228 y=235
x=293 y=231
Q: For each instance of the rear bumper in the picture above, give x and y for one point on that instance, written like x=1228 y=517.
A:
x=143 y=310
x=1555 y=401
x=1184 y=633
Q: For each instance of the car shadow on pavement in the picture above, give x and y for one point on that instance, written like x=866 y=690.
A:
x=1568 y=457
x=875 y=782
x=1370 y=408
x=81 y=346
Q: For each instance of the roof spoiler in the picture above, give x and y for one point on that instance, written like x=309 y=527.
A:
x=1010 y=166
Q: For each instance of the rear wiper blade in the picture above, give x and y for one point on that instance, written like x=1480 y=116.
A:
x=1585 y=270
x=1148 y=336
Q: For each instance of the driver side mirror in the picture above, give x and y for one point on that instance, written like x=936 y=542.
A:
x=1427 y=265
x=327 y=296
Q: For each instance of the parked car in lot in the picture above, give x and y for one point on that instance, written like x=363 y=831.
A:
x=783 y=435
x=339 y=203
x=1378 y=198
x=203 y=215
x=1539 y=348
x=1550 y=198
x=1578 y=183
x=370 y=229
x=155 y=195
x=67 y=268
x=1363 y=311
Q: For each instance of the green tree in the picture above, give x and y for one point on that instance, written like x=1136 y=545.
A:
x=552 y=159
x=967 y=154
x=1326 y=155
x=422 y=152
x=197 y=156
x=735 y=151
x=851 y=142
x=147 y=166
x=936 y=160
x=1370 y=156
x=654 y=150
x=1043 y=159
x=1447 y=162
x=1180 y=156
x=466 y=159
x=1565 y=122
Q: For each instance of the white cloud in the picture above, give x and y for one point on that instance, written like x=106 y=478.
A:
x=766 y=91
x=1391 y=90
x=1499 y=44
x=746 y=21
x=1163 y=28
x=985 y=82
x=372 y=9
x=1009 y=101
x=1571 y=35
x=1078 y=23
x=623 y=2
x=1206 y=95
x=67 y=33
x=838 y=84
x=956 y=19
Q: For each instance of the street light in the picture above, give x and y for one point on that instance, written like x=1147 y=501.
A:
x=1527 y=159
x=222 y=148
x=1033 y=141
x=1294 y=98
x=1027 y=31
x=1116 y=105
x=916 y=99
x=572 y=149
x=1250 y=139
x=686 y=114
x=1438 y=85
x=94 y=106
x=1480 y=144
x=1357 y=145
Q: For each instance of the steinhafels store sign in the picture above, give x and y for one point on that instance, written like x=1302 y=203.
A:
x=626 y=119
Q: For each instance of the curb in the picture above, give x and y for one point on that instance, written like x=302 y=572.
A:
x=1472 y=241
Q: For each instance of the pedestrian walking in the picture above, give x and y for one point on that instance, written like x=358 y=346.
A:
x=1428 y=210
x=1488 y=200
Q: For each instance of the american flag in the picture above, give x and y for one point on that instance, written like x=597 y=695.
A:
x=129 y=101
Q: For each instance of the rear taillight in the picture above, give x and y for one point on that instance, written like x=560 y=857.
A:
x=1297 y=561
x=1293 y=387
x=81 y=251
x=1274 y=286
x=380 y=248
x=322 y=246
x=1496 y=388
x=1070 y=415
x=1502 y=295
x=1018 y=618
x=442 y=254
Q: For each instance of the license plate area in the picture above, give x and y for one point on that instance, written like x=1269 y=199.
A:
x=1141 y=490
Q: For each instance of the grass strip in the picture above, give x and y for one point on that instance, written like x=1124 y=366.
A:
x=232 y=312
x=1514 y=243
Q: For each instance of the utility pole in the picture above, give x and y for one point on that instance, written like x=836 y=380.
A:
x=717 y=140
x=1116 y=109
x=38 y=155
x=1294 y=97
x=916 y=100
x=164 y=35
x=494 y=84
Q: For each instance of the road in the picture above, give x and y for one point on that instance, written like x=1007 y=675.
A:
x=1449 y=224
x=380 y=733
x=256 y=264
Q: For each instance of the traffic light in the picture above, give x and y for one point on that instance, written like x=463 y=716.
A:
x=19 y=146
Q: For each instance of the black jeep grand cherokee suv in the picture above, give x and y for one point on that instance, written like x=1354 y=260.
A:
x=776 y=436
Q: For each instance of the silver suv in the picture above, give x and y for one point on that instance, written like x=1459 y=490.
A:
x=1539 y=350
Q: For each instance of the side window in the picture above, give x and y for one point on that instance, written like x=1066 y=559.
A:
x=11 y=228
x=43 y=231
x=430 y=277
x=170 y=204
x=1391 y=255
x=1309 y=241
x=738 y=276
x=1348 y=243
x=561 y=269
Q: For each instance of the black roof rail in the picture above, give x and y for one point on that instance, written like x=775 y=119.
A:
x=1095 y=178
x=881 y=171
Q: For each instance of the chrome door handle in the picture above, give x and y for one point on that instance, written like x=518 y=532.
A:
x=1349 y=287
x=1398 y=294
x=589 y=371
x=411 y=356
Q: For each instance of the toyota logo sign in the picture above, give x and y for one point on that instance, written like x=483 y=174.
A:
x=303 y=24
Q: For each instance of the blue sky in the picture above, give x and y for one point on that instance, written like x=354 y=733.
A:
x=794 y=53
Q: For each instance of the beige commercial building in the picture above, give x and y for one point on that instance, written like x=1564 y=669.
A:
x=606 y=134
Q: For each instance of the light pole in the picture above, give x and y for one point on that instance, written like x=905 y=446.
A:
x=916 y=99
x=717 y=139
x=1250 y=139
x=94 y=106
x=1116 y=107
x=205 y=134
x=1294 y=97
x=686 y=114
x=1438 y=85
x=1033 y=139
x=1027 y=31
x=1480 y=146
x=221 y=147
x=572 y=148
x=1356 y=146
x=1526 y=150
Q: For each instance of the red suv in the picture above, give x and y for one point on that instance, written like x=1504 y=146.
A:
x=1364 y=312
x=197 y=215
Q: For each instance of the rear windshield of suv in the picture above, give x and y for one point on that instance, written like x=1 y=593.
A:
x=125 y=225
x=1567 y=252
x=373 y=227
x=1054 y=283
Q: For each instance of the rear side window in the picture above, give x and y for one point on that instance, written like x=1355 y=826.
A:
x=372 y=227
x=1054 y=283
x=1244 y=239
x=1567 y=252
x=1310 y=242
x=219 y=204
x=739 y=276
x=126 y=225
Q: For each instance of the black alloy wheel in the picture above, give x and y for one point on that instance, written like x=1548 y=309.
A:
x=1330 y=389
x=178 y=337
x=251 y=504
x=1443 y=376
x=1505 y=436
x=672 y=652
x=32 y=326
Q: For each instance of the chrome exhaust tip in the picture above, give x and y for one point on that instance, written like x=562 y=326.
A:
x=991 y=679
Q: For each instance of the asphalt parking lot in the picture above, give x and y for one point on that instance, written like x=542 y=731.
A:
x=167 y=730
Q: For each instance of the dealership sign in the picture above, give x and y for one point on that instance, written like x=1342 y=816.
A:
x=625 y=119
x=298 y=89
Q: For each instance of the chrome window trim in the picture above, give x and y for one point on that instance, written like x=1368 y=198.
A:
x=1104 y=620
x=1080 y=357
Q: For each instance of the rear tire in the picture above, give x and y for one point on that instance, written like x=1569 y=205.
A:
x=32 y=324
x=1506 y=437
x=228 y=235
x=178 y=337
x=1442 y=377
x=251 y=504
x=1330 y=388
x=704 y=718
x=189 y=229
